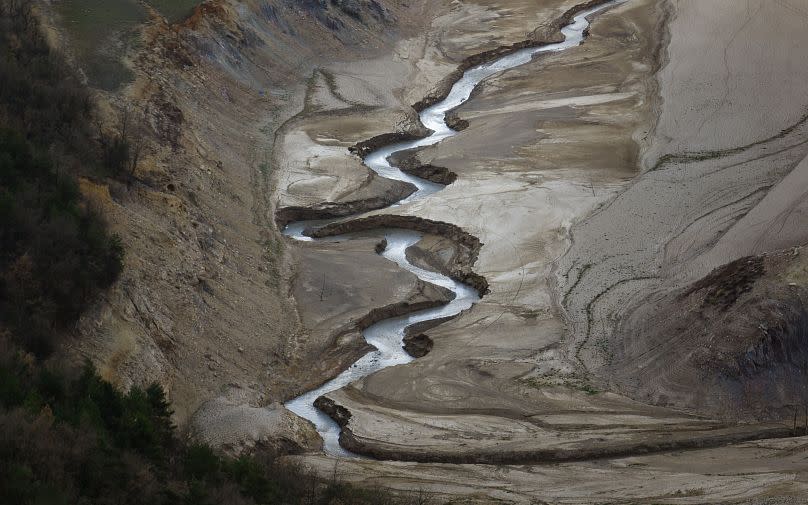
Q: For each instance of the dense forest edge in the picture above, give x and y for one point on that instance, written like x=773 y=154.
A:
x=66 y=435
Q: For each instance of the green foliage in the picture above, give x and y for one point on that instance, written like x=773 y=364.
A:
x=55 y=254
x=72 y=438
x=139 y=420
x=201 y=463
x=54 y=251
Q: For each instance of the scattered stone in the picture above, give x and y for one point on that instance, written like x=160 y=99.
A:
x=418 y=346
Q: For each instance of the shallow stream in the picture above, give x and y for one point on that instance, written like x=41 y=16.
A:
x=387 y=335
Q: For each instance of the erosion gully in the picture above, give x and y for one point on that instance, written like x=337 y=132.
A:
x=387 y=335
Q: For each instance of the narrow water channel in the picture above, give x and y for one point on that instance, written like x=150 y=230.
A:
x=387 y=335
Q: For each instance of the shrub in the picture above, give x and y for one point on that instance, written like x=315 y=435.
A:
x=70 y=437
x=55 y=253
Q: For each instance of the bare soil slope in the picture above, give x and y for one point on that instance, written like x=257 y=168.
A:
x=654 y=310
x=205 y=304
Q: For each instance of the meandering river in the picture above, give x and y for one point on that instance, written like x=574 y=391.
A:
x=387 y=335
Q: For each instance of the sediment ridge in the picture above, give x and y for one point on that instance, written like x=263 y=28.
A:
x=334 y=210
x=706 y=439
x=462 y=273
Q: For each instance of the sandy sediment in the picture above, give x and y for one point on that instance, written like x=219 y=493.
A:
x=234 y=428
x=769 y=472
x=724 y=180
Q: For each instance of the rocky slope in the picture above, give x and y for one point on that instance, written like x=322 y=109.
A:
x=205 y=304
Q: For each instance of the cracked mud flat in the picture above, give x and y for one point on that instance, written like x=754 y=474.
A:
x=529 y=373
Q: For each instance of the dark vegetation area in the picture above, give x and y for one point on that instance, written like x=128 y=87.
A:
x=67 y=436
x=727 y=283
x=55 y=253
x=72 y=438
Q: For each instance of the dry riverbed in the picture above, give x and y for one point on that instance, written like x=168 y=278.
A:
x=522 y=377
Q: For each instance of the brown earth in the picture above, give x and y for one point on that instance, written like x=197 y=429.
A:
x=581 y=124
x=205 y=305
x=637 y=230
x=724 y=181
